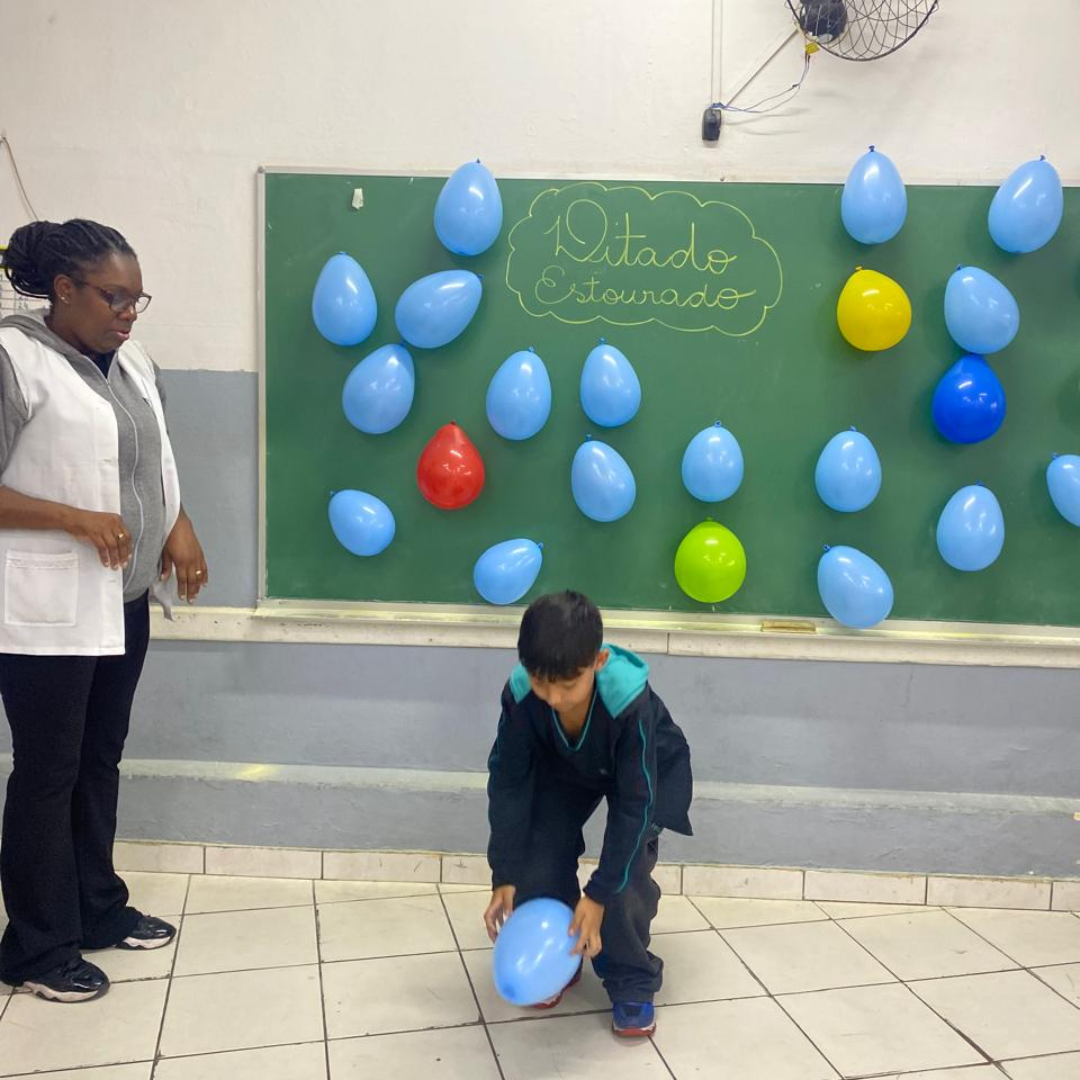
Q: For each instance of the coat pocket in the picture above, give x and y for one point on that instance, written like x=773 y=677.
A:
x=41 y=588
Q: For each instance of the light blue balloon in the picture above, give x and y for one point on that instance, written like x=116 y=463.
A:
x=469 y=212
x=362 y=523
x=436 y=309
x=343 y=303
x=980 y=313
x=874 y=204
x=712 y=465
x=507 y=571
x=971 y=529
x=602 y=482
x=379 y=391
x=855 y=590
x=519 y=396
x=1027 y=208
x=848 y=473
x=532 y=961
x=610 y=391
x=1063 y=480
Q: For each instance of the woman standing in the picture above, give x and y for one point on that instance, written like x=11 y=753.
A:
x=90 y=524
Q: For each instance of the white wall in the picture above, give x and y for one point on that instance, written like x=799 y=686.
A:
x=154 y=115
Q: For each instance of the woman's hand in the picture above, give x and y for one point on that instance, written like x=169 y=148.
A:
x=107 y=532
x=184 y=554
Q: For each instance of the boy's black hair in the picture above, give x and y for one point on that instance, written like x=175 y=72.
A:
x=560 y=634
x=40 y=251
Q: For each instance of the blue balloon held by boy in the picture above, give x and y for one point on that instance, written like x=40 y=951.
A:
x=971 y=529
x=969 y=402
x=602 y=483
x=712 y=464
x=532 y=960
x=434 y=310
x=469 y=211
x=378 y=393
x=363 y=523
x=507 y=571
x=1063 y=482
x=874 y=203
x=519 y=396
x=855 y=590
x=610 y=390
x=848 y=472
x=343 y=303
x=1027 y=208
x=981 y=314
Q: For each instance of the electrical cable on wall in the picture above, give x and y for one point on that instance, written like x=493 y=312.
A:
x=860 y=30
x=5 y=142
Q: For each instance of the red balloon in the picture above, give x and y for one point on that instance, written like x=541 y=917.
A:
x=450 y=472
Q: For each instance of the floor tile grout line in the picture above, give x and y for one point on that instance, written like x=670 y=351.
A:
x=472 y=988
x=169 y=983
x=1019 y=966
x=322 y=992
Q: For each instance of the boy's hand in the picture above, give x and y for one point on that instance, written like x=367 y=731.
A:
x=499 y=910
x=587 y=919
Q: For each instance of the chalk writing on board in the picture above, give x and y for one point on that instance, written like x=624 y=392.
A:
x=627 y=256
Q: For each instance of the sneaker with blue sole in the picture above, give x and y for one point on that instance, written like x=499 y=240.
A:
x=633 y=1019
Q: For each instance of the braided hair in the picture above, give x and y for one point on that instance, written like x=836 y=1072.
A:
x=38 y=252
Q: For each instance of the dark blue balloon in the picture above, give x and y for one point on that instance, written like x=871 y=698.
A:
x=469 y=211
x=343 y=303
x=969 y=402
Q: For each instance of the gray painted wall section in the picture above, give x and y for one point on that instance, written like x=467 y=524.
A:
x=780 y=724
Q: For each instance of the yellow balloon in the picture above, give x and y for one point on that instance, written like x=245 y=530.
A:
x=873 y=312
x=710 y=564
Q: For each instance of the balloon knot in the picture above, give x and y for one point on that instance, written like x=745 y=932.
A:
x=827 y=547
x=1054 y=457
x=540 y=544
x=853 y=428
x=959 y=266
x=1042 y=157
x=718 y=424
x=603 y=341
x=588 y=438
x=531 y=349
x=871 y=148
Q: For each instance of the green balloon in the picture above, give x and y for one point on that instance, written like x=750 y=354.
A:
x=710 y=565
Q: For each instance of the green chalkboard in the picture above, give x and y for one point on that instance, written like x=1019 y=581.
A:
x=723 y=297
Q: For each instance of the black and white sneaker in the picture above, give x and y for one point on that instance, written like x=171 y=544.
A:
x=149 y=933
x=77 y=980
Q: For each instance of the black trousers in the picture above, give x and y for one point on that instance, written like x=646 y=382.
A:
x=69 y=718
x=628 y=970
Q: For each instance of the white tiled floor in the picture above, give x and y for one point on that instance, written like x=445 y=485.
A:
x=289 y=979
